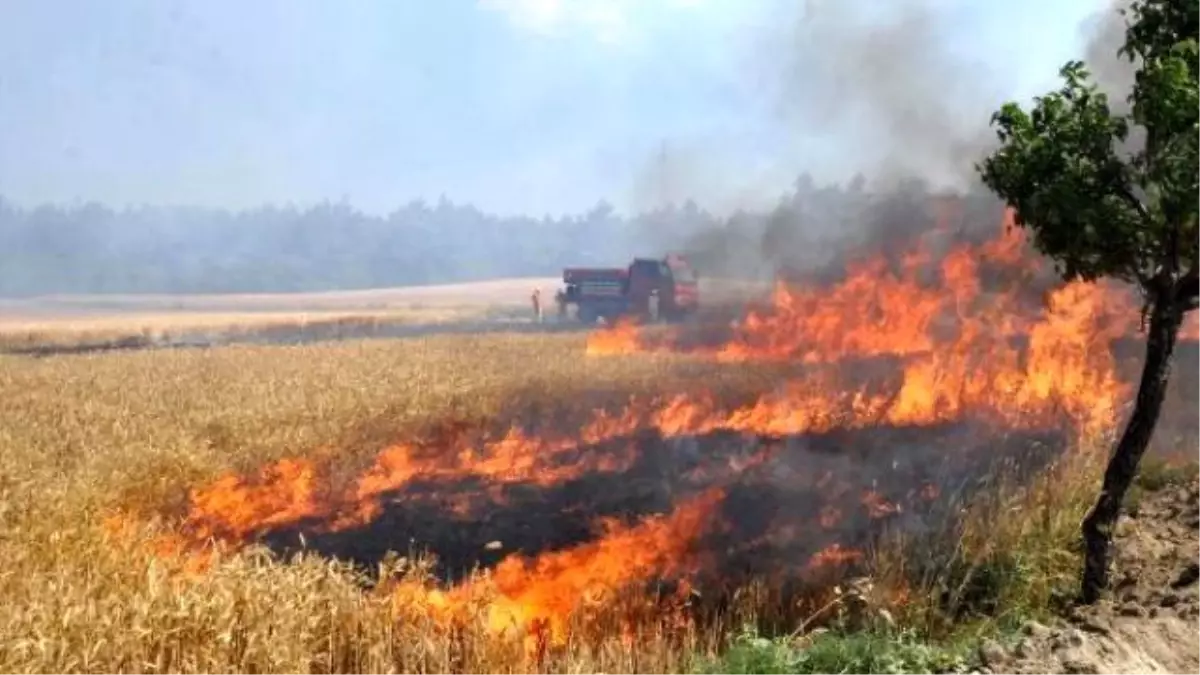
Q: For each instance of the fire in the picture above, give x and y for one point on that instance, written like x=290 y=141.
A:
x=549 y=588
x=965 y=346
x=234 y=508
x=622 y=337
x=285 y=493
x=832 y=556
x=170 y=547
x=913 y=340
x=536 y=597
x=911 y=306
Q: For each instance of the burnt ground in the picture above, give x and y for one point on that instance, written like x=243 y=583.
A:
x=1148 y=624
x=809 y=493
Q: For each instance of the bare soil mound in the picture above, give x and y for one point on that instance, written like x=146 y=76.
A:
x=1149 y=622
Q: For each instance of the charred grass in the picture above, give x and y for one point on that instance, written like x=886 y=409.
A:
x=82 y=435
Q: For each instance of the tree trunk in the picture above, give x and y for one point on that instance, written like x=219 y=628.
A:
x=1165 y=320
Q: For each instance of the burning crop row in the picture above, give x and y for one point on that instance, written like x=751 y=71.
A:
x=890 y=348
x=975 y=296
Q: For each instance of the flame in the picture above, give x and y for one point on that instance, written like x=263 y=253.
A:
x=535 y=598
x=234 y=508
x=550 y=587
x=952 y=337
x=175 y=549
x=622 y=337
x=285 y=492
x=964 y=347
x=834 y=555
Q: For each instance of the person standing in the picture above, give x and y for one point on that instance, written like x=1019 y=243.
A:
x=537 y=305
x=653 y=306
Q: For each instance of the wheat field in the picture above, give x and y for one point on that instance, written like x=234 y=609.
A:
x=89 y=436
x=83 y=435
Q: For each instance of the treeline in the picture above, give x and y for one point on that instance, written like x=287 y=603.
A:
x=91 y=248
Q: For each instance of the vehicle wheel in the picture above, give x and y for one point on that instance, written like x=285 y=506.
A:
x=587 y=316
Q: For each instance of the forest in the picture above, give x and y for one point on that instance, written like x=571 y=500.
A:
x=89 y=247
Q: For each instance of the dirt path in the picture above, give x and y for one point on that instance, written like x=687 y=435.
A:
x=1149 y=624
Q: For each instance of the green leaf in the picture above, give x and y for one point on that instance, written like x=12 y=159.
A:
x=1097 y=211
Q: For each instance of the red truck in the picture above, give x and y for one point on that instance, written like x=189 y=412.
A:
x=612 y=292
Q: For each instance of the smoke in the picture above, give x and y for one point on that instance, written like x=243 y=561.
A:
x=1104 y=35
x=697 y=169
x=890 y=89
x=839 y=89
x=880 y=92
x=890 y=94
x=1114 y=73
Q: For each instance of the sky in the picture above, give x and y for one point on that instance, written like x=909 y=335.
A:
x=519 y=106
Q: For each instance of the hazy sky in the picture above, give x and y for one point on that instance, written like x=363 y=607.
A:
x=519 y=106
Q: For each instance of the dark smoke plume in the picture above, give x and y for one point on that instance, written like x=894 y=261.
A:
x=892 y=96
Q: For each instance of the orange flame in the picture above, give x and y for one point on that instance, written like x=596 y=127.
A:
x=622 y=337
x=552 y=586
x=957 y=344
x=964 y=348
x=236 y=509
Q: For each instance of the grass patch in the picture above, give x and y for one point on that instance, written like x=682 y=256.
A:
x=835 y=652
x=1155 y=474
x=1158 y=473
x=1014 y=555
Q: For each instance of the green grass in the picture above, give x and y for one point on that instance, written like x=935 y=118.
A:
x=872 y=651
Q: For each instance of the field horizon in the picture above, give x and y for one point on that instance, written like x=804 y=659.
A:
x=73 y=323
x=500 y=291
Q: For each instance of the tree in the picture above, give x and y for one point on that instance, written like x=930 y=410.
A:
x=1100 y=208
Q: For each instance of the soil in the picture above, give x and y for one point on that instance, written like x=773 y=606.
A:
x=1148 y=623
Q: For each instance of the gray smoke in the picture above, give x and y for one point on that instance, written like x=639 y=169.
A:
x=890 y=90
x=1104 y=35
x=884 y=95
x=893 y=99
x=881 y=91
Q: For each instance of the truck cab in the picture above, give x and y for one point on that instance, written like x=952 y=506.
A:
x=674 y=281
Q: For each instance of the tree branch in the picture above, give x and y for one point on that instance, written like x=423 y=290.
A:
x=1126 y=193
